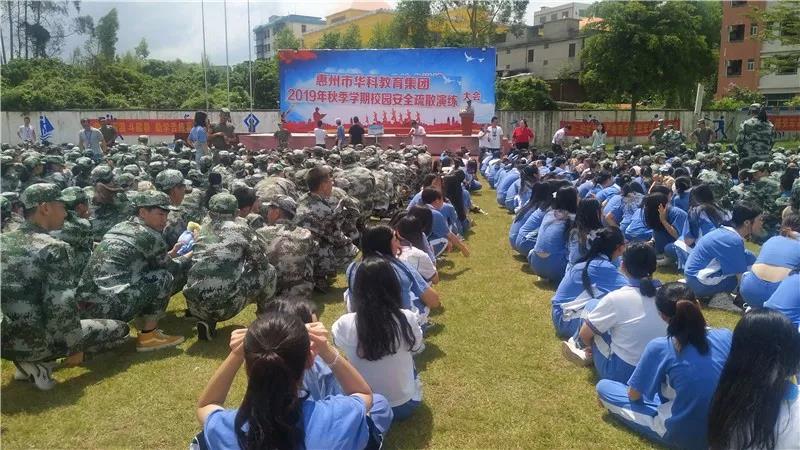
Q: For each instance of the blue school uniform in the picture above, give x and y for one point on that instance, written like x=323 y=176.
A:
x=570 y=299
x=786 y=298
x=416 y=200
x=675 y=217
x=607 y=193
x=778 y=251
x=412 y=284
x=491 y=173
x=516 y=225
x=337 y=422
x=319 y=381
x=715 y=261
x=630 y=204
x=697 y=224
x=529 y=231
x=552 y=242
x=677 y=389
x=451 y=216
x=614 y=206
x=585 y=188
x=681 y=201
x=439 y=232
x=637 y=230
x=504 y=184
x=485 y=163
x=575 y=250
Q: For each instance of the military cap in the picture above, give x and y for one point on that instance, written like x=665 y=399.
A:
x=153 y=199
x=283 y=202
x=74 y=196
x=348 y=157
x=168 y=179
x=372 y=163
x=122 y=147
x=126 y=180
x=759 y=166
x=54 y=159
x=38 y=193
x=32 y=161
x=755 y=107
x=5 y=207
x=223 y=203
x=274 y=168
x=83 y=161
x=102 y=174
x=132 y=169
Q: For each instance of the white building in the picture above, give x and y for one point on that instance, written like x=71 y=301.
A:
x=265 y=34
x=546 y=51
x=565 y=11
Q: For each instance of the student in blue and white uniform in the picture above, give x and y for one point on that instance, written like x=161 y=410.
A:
x=276 y=350
x=525 y=211
x=505 y=183
x=441 y=234
x=412 y=248
x=680 y=193
x=619 y=209
x=779 y=256
x=610 y=187
x=702 y=217
x=666 y=222
x=471 y=182
x=668 y=396
x=431 y=180
x=587 y=219
x=592 y=277
x=786 y=299
x=519 y=192
x=380 y=338
x=540 y=202
x=505 y=167
x=719 y=257
x=757 y=403
x=548 y=259
x=425 y=216
x=458 y=210
x=619 y=326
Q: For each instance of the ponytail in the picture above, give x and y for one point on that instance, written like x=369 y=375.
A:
x=686 y=323
x=276 y=348
x=640 y=263
x=602 y=242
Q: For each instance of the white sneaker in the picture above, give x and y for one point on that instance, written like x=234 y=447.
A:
x=574 y=354
x=40 y=374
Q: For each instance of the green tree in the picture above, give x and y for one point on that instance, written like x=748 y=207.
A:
x=410 y=24
x=641 y=49
x=483 y=17
x=382 y=37
x=736 y=98
x=285 y=39
x=780 y=22
x=523 y=94
x=106 y=35
x=142 y=50
x=351 y=38
x=329 y=40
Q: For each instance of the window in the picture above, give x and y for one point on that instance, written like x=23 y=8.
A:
x=751 y=65
x=542 y=19
x=267 y=33
x=734 y=68
x=544 y=63
x=753 y=30
x=269 y=48
x=546 y=45
x=736 y=4
x=581 y=13
x=786 y=70
x=530 y=55
x=508 y=67
x=571 y=50
x=736 y=33
x=565 y=14
x=553 y=16
x=302 y=28
x=508 y=51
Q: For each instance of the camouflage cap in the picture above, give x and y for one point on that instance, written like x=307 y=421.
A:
x=759 y=166
x=5 y=208
x=153 y=199
x=38 y=193
x=126 y=180
x=54 y=159
x=755 y=107
x=274 y=168
x=168 y=179
x=372 y=163
x=283 y=202
x=349 y=157
x=32 y=161
x=132 y=169
x=223 y=203
x=74 y=196
x=102 y=174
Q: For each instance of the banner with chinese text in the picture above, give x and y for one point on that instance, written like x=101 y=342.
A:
x=584 y=128
x=390 y=87
x=148 y=126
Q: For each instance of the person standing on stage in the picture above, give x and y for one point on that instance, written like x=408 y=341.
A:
x=417 y=133
x=522 y=135
x=356 y=132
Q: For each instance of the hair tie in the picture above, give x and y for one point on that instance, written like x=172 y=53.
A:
x=593 y=235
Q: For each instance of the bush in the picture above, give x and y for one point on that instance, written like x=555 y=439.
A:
x=737 y=98
x=524 y=94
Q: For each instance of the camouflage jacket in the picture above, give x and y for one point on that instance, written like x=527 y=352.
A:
x=40 y=314
x=176 y=225
x=269 y=187
x=361 y=183
x=755 y=138
x=77 y=232
x=291 y=250
x=106 y=215
x=319 y=217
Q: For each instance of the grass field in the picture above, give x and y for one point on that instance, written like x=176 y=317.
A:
x=493 y=373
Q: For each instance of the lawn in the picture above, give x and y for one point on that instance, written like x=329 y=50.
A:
x=493 y=373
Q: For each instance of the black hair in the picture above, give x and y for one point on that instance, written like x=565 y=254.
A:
x=200 y=119
x=541 y=197
x=528 y=175
x=377 y=241
x=452 y=188
x=587 y=219
x=410 y=229
x=276 y=349
x=790 y=224
x=606 y=241
x=661 y=189
x=428 y=179
x=631 y=187
x=245 y=196
x=430 y=195
x=788 y=177
x=683 y=184
x=765 y=352
x=566 y=201
x=602 y=177
x=213 y=188
x=681 y=172
x=424 y=215
x=316 y=176
x=650 y=206
x=685 y=321
x=302 y=308
x=640 y=263
x=701 y=199
x=380 y=322
x=742 y=212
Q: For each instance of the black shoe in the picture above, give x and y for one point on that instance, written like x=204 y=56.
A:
x=187 y=313
x=206 y=330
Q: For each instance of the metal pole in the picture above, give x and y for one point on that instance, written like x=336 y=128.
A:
x=227 y=64
x=205 y=75
x=250 y=55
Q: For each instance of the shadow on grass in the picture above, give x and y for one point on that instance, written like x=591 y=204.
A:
x=415 y=432
x=217 y=349
x=452 y=275
x=333 y=296
x=434 y=329
x=431 y=353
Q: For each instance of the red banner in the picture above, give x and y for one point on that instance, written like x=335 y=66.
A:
x=616 y=129
x=149 y=126
x=785 y=123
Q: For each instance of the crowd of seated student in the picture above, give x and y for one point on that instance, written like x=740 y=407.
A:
x=301 y=391
x=663 y=372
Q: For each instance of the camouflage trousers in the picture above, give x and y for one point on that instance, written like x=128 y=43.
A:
x=97 y=335
x=146 y=300
x=252 y=287
x=299 y=290
x=331 y=260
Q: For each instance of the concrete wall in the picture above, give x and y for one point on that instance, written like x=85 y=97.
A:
x=545 y=123
x=67 y=123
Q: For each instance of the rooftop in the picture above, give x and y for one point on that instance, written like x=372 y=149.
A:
x=291 y=18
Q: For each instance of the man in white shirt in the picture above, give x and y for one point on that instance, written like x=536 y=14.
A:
x=91 y=138
x=26 y=132
x=417 y=133
x=494 y=137
x=320 y=135
x=559 y=138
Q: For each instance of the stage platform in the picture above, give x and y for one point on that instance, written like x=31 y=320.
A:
x=435 y=142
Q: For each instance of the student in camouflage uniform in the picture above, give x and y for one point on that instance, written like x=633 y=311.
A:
x=384 y=194
x=77 y=230
x=221 y=134
x=230 y=268
x=315 y=213
x=130 y=274
x=54 y=172
x=755 y=138
x=282 y=136
x=109 y=205
x=656 y=136
x=172 y=183
x=361 y=183
x=289 y=248
x=276 y=184
x=39 y=312
x=11 y=213
x=763 y=193
x=672 y=140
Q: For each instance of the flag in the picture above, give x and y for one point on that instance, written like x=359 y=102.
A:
x=45 y=128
